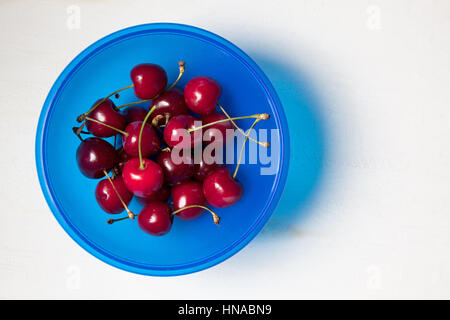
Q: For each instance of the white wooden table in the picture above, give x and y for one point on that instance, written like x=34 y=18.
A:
x=372 y=223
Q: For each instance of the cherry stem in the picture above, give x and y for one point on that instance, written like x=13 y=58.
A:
x=260 y=116
x=156 y=120
x=215 y=217
x=113 y=173
x=79 y=130
x=181 y=69
x=111 y=221
x=133 y=103
x=83 y=116
x=130 y=213
x=243 y=147
x=75 y=130
x=106 y=125
x=141 y=166
x=264 y=144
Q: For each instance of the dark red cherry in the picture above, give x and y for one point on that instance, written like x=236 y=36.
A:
x=95 y=155
x=221 y=190
x=204 y=166
x=107 y=197
x=170 y=102
x=106 y=113
x=175 y=171
x=162 y=196
x=150 y=141
x=156 y=218
x=149 y=80
x=122 y=157
x=176 y=132
x=203 y=169
x=142 y=182
x=185 y=194
x=216 y=132
x=133 y=114
x=201 y=95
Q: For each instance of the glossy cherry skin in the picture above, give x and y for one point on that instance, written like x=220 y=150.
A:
x=155 y=218
x=133 y=114
x=150 y=141
x=176 y=135
x=221 y=190
x=142 y=182
x=170 y=102
x=162 y=196
x=107 y=197
x=95 y=155
x=216 y=132
x=201 y=95
x=174 y=172
x=149 y=80
x=106 y=113
x=185 y=194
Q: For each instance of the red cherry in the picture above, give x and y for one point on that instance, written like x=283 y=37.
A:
x=161 y=196
x=107 y=197
x=156 y=218
x=176 y=134
x=201 y=95
x=150 y=141
x=142 y=182
x=221 y=190
x=216 y=132
x=174 y=172
x=106 y=113
x=133 y=114
x=185 y=194
x=149 y=80
x=95 y=155
x=171 y=103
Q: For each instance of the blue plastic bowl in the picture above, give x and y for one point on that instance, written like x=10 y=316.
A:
x=104 y=67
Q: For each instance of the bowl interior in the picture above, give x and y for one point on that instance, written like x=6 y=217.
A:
x=104 y=68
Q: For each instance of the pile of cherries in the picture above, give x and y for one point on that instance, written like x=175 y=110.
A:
x=143 y=166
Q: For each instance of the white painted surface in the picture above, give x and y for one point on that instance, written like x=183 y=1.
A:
x=377 y=223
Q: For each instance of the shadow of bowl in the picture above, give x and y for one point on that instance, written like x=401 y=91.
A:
x=307 y=140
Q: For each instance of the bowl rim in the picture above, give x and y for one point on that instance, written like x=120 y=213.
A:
x=102 y=254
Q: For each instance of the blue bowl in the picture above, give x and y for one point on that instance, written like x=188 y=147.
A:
x=104 y=67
